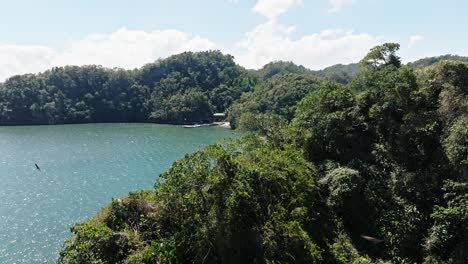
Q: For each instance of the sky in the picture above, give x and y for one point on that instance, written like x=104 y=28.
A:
x=36 y=35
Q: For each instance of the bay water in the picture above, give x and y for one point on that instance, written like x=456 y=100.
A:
x=82 y=167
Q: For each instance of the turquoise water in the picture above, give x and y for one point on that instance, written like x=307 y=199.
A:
x=82 y=168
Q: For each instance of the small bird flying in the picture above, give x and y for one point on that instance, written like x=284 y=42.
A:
x=372 y=239
x=37 y=166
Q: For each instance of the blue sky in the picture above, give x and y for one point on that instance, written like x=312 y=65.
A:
x=36 y=35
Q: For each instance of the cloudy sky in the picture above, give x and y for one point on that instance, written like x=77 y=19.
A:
x=39 y=34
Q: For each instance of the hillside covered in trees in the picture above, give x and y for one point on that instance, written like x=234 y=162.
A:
x=185 y=88
x=433 y=60
x=375 y=171
x=342 y=73
x=182 y=89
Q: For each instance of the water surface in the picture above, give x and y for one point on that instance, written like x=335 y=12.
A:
x=82 y=168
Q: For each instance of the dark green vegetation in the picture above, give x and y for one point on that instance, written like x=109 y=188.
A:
x=385 y=156
x=342 y=73
x=278 y=95
x=185 y=88
x=337 y=73
x=433 y=60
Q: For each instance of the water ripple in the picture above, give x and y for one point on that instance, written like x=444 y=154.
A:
x=82 y=168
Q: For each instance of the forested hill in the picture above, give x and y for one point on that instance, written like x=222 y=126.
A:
x=184 y=88
x=372 y=172
x=342 y=73
x=345 y=73
x=433 y=60
x=337 y=73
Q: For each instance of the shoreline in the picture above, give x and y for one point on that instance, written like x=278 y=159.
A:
x=213 y=124
x=222 y=124
x=217 y=124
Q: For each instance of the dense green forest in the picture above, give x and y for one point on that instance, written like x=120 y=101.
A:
x=182 y=89
x=374 y=171
x=341 y=73
x=278 y=95
x=185 y=88
x=433 y=60
x=337 y=73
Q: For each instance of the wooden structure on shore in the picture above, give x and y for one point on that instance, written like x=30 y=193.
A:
x=219 y=117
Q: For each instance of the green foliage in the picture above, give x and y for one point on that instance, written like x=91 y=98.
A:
x=448 y=89
x=344 y=251
x=281 y=68
x=381 y=56
x=340 y=73
x=434 y=60
x=343 y=185
x=184 y=88
x=190 y=107
x=269 y=125
x=448 y=237
x=96 y=244
x=456 y=144
x=384 y=151
x=449 y=82
x=328 y=123
x=163 y=251
x=337 y=73
x=209 y=81
x=246 y=198
x=246 y=202
x=278 y=96
x=326 y=168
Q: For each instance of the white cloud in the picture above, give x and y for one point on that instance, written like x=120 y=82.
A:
x=274 y=8
x=272 y=41
x=416 y=39
x=337 y=5
x=21 y=59
x=126 y=48
x=122 y=48
x=130 y=48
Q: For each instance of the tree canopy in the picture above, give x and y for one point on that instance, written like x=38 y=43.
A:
x=279 y=96
x=382 y=55
x=184 y=88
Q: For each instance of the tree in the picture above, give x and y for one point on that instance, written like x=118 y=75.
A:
x=268 y=125
x=183 y=108
x=448 y=237
x=279 y=96
x=381 y=56
x=328 y=124
x=249 y=202
x=456 y=145
x=281 y=68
